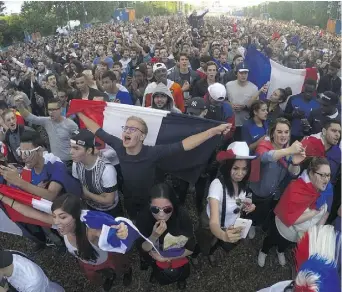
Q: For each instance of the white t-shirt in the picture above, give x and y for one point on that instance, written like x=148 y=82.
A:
x=216 y=192
x=295 y=232
x=28 y=277
x=240 y=95
x=108 y=180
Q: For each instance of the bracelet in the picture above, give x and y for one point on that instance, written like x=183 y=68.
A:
x=12 y=204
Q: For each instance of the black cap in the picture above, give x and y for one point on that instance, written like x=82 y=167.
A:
x=328 y=98
x=83 y=137
x=6 y=259
x=196 y=105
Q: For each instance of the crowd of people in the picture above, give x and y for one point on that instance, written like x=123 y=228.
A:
x=290 y=142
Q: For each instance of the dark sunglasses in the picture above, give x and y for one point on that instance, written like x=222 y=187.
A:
x=156 y=210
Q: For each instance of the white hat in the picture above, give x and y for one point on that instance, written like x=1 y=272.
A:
x=236 y=150
x=158 y=66
x=217 y=91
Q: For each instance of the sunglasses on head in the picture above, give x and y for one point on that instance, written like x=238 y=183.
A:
x=156 y=210
x=26 y=152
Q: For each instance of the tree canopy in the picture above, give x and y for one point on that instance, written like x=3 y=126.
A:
x=303 y=12
x=46 y=16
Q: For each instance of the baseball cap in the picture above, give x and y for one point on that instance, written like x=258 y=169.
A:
x=328 y=98
x=83 y=137
x=242 y=67
x=217 y=91
x=196 y=105
x=158 y=66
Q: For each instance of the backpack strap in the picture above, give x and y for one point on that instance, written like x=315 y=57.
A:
x=224 y=202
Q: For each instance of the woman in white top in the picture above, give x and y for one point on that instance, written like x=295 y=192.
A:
x=81 y=241
x=226 y=200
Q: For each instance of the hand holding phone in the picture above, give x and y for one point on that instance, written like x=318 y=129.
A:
x=245 y=224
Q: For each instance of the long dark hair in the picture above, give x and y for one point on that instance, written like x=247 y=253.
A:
x=224 y=173
x=71 y=204
x=256 y=105
x=165 y=191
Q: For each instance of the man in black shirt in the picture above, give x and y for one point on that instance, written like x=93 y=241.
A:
x=86 y=92
x=328 y=110
x=331 y=82
x=138 y=162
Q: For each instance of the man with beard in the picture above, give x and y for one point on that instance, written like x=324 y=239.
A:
x=160 y=75
x=331 y=82
x=42 y=72
x=134 y=63
x=299 y=107
x=328 y=111
x=169 y=63
x=52 y=83
x=162 y=99
x=86 y=92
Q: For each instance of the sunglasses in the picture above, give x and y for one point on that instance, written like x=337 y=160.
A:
x=130 y=130
x=156 y=210
x=26 y=153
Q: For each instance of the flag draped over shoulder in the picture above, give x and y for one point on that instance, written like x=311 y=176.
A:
x=164 y=127
x=262 y=69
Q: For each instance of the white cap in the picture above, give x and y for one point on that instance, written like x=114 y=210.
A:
x=158 y=66
x=217 y=91
x=240 y=150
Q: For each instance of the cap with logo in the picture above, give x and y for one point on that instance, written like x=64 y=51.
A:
x=196 y=105
x=242 y=67
x=83 y=137
x=217 y=91
x=158 y=66
x=328 y=98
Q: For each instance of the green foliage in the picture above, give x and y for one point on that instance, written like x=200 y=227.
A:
x=46 y=16
x=304 y=12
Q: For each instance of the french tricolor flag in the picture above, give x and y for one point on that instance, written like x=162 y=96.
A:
x=164 y=127
x=8 y=216
x=263 y=70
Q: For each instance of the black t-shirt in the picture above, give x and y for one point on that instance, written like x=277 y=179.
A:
x=139 y=171
x=184 y=77
x=178 y=224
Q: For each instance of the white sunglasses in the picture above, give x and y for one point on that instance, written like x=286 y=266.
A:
x=26 y=152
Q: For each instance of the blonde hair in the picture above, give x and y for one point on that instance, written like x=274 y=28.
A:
x=141 y=121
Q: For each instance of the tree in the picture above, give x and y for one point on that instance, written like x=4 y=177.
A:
x=2 y=7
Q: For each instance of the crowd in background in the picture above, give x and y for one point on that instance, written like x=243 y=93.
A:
x=191 y=66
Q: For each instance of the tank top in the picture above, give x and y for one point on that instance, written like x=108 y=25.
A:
x=102 y=255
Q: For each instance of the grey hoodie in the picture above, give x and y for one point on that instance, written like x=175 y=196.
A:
x=170 y=106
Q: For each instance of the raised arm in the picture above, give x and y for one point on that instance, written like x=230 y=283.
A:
x=195 y=140
x=89 y=123
x=27 y=211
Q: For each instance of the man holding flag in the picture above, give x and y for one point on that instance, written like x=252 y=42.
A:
x=138 y=161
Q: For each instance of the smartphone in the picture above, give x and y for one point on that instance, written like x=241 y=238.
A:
x=245 y=223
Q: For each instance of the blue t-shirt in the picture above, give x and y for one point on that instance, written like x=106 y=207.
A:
x=300 y=103
x=251 y=132
x=57 y=171
x=123 y=95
